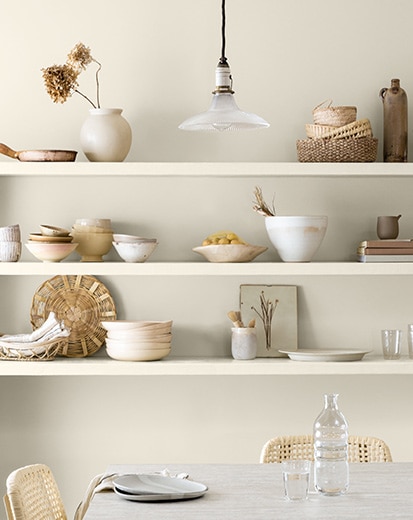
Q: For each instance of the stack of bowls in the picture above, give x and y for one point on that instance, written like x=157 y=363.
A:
x=53 y=244
x=138 y=340
x=94 y=236
x=134 y=249
x=10 y=243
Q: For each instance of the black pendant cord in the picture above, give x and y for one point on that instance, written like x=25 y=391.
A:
x=223 y=59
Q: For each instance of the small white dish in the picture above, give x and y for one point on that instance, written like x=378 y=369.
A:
x=325 y=354
x=53 y=231
x=131 y=238
x=154 y=488
x=129 y=324
x=229 y=252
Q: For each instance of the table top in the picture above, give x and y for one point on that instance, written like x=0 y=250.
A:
x=255 y=492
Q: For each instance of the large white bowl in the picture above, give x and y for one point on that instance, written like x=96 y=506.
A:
x=51 y=252
x=135 y=335
x=135 y=251
x=141 y=355
x=296 y=238
x=133 y=346
x=130 y=324
x=229 y=252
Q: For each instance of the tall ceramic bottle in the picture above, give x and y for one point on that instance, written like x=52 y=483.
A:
x=394 y=123
x=331 y=471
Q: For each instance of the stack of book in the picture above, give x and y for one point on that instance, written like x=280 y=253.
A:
x=385 y=251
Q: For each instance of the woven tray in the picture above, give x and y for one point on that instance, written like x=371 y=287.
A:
x=81 y=302
x=45 y=351
x=362 y=149
x=334 y=116
x=360 y=128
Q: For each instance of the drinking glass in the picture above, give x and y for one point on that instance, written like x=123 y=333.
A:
x=391 y=343
x=410 y=339
x=296 y=476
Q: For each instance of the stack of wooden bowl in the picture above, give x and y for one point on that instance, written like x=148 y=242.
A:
x=336 y=135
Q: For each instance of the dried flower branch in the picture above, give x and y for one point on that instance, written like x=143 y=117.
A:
x=267 y=312
x=61 y=80
x=260 y=206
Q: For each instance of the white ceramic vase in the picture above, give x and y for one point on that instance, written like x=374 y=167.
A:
x=105 y=136
x=296 y=238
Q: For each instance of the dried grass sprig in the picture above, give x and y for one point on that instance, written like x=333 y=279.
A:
x=61 y=80
x=260 y=206
x=266 y=315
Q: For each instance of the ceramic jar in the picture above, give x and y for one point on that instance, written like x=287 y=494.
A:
x=243 y=343
x=105 y=136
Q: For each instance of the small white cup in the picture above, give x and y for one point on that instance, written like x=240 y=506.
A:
x=10 y=251
x=244 y=343
x=296 y=477
x=391 y=343
x=10 y=233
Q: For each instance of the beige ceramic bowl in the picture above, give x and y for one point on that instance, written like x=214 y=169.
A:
x=92 y=246
x=230 y=252
x=51 y=252
x=53 y=231
x=137 y=355
x=136 y=345
x=139 y=334
x=135 y=251
x=123 y=325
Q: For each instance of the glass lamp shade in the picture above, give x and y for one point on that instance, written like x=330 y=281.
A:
x=224 y=114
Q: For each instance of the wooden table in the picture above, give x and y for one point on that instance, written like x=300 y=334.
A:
x=255 y=492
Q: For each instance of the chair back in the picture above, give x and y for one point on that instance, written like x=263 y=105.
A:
x=360 y=449
x=32 y=494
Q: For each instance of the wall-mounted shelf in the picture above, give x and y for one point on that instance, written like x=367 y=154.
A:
x=150 y=268
x=95 y=366
x=81 y=169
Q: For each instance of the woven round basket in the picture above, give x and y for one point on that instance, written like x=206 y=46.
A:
x=45 y=351
x=360 y=128
x=82 y=302
x=352 y=149
x=334 y=116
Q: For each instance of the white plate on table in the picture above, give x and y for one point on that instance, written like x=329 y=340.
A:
x=155 y=488
x=325 y=354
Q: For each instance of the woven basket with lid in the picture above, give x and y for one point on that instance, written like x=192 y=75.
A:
x=334 y=116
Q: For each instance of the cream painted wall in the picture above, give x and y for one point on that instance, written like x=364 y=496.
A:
x=158 y=64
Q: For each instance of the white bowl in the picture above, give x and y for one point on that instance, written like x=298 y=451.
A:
x=131 y=238
x=141 y=355
x=229 y=252
x=165 y=338
x=10 y=251
x=53 y=231
x=129 y=325
x=296 y=238
x=135 y=251
x=51 y=252
x=136 y=345
x=139 y=334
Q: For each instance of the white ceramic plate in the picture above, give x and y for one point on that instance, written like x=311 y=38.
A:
x=325 y=355
x=155 y=488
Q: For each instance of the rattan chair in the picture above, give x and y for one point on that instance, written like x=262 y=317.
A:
x=32 y=494
x=360 y=449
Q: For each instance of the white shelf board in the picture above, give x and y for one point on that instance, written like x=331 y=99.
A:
x=95 y=366
x=206 y=268
x=9 y=167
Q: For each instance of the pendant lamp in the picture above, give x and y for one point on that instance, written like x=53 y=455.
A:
x=223 y=114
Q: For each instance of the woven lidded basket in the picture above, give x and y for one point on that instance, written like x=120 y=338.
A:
x=360 y=128
x=352 y=149
x=334 y=116
x=82 y=302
